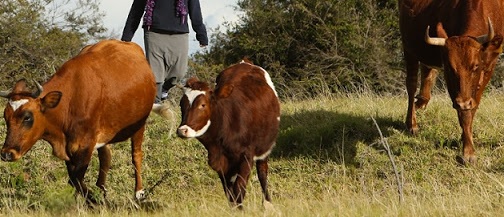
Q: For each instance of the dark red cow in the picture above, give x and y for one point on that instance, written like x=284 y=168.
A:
x=237 y=123
x=467 y=45
x=102 y=96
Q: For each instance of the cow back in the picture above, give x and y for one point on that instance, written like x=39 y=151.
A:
x=247 y=109
x=108 y=87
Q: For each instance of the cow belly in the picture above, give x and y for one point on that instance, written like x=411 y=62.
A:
x=99 y=145
x=125 y=133
x=265 y=154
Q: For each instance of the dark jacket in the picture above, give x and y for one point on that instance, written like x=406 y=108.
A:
x=165 y=19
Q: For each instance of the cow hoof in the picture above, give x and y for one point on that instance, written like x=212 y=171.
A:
x=140 y=195
x=411 y=126
x=238 y=206
x=268 y=205
x=270 y=209
x=413 y=130
x=421 y=102
x=466 y=160
x=91 y=201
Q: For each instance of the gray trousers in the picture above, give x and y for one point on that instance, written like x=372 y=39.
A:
x=168 y=56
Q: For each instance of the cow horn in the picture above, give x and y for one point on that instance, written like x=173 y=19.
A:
x=39 y=89
x=433 y=41
x=487 y=37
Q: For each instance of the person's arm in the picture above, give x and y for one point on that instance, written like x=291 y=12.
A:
x=197 y=22
x=133 y=20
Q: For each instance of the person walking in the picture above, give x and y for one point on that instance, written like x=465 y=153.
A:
x=166 y=37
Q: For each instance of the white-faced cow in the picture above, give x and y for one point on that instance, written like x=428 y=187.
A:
x=467 y=45
x=237 y=123
x=101 y=96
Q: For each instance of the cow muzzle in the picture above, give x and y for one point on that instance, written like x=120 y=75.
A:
x=9 y=155
x=185 y=132
x=463 y=104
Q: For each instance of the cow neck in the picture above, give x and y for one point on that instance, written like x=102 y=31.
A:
x=54 y=132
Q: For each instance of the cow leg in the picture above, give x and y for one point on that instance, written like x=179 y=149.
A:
x=104 y=156
x=240 y=181
x=262 y=174
x=77 y=167
x=465 y=120
x=137 y=155
x=429 y=76
x=220 y=164
x=226 y=185
x=411 y=87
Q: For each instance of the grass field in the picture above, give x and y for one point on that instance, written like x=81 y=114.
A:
x=329 y=161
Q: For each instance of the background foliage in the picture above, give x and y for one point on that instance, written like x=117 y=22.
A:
x=309 y=47
x=314 y=46
x=37 y=36
x=317 y=46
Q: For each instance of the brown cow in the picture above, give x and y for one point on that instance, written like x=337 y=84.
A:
x=468 y=43
x=102 y=96
x=237 y=123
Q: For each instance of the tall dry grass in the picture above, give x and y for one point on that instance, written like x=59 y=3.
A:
x=328 y=162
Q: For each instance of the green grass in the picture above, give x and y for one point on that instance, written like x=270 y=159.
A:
x=329 y=161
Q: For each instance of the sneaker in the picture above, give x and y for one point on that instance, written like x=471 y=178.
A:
x=164 y=95
x=157 y=106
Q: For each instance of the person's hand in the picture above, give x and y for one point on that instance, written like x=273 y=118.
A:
x=203 y=46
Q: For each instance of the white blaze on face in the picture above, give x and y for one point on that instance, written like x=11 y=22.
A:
x=189 y=132
x=192 y=94
x=18 y=103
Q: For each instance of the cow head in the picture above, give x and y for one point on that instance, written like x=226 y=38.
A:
x=24 y=116
x=196 y=109
x=468 y=64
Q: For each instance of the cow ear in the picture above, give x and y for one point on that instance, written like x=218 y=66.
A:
x=247 y=60
x=495 y=45
x=224 y=91
x=441 y=33
x=51 y=100
x=190 y=82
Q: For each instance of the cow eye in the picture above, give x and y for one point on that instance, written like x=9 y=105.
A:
x=27 y=117
x=202 y=106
